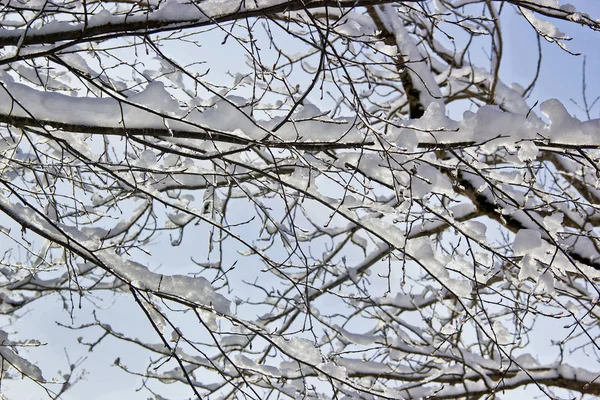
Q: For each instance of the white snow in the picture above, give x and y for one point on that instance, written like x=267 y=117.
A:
x=528 y=151
x=544 y=28
x=553 y=223
x=527 y=241
x=16 y=361
x=528 y=268
x=300 y=349
x=501 y=333
x=360 y=339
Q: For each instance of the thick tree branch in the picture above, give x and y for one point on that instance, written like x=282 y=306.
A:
x=201 y=14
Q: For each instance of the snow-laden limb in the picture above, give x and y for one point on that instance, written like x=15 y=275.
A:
x=174 y=15
x=566 y=376
x=304 y=362
x=152 y=112
x=419 y=83
x=552 y=8
x=170 y=15
x=194 y=290
x=11 y=358
x=545 y=29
